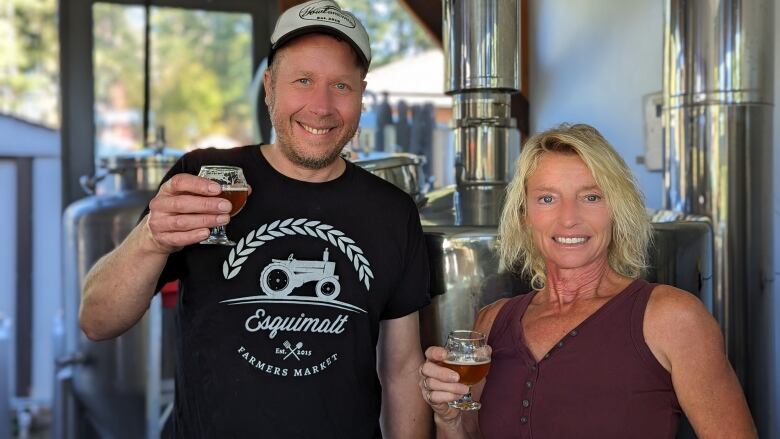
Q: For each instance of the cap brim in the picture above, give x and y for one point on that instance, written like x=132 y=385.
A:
x=318 y=29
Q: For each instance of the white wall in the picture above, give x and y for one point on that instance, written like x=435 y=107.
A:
x=24 y=139
x=8 y=267
x=592 y=61
x=47 y=279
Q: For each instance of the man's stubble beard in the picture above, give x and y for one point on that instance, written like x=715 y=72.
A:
x=286 y=143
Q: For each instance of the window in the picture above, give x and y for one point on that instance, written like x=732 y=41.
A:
x=29 y=61
x=199 y=77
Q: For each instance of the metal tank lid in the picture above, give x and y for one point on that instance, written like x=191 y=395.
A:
x=147 y=157
x=137 y=170
x=383 y=160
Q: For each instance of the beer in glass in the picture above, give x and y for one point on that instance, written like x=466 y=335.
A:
x=234 y=189
x=468 y=354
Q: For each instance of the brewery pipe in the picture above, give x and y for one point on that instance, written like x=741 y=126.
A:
x=718 y=103
x=482 y=65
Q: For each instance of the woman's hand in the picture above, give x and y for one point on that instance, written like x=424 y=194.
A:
x=439 y=385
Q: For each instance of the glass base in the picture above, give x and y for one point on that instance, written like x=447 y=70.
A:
x=218 y=240
x=465 y=404
x=218 y=237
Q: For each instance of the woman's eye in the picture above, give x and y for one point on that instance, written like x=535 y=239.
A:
x=546 y=199
x=342 y=86
x=592 y=197
x=304 y=81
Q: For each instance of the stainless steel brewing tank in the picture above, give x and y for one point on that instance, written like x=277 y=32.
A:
x=110 y=377
x=111 y=380
x=139 y=171
x=402 y=169
x=465 y=276
x=460 y=226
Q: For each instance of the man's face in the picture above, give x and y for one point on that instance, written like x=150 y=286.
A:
x=314 y=98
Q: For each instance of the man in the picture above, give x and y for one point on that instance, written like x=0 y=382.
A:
x=289 y=333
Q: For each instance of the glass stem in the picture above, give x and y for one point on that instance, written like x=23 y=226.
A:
x=218 y=231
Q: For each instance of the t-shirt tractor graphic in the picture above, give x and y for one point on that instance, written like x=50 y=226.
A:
x=281 y=276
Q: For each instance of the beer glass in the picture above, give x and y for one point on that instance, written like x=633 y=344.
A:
x=468 y=354
x=234 y=189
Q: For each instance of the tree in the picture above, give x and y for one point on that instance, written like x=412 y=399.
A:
x=29 y=60
x=202 y=67
x=200 y=70
x=393 y=32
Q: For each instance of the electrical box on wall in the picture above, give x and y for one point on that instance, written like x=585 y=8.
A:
x=652 y=105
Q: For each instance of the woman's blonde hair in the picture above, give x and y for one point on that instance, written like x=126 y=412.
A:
x=631 y=229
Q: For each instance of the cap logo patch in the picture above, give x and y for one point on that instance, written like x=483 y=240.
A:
x=327 y=13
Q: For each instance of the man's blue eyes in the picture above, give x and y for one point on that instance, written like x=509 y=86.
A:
x=307 y=81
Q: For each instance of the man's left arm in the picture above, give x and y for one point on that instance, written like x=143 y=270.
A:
x=399 y=355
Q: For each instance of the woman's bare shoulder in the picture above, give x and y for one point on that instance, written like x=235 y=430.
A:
x=487 y=315
x=666 y=299
x=674 y=319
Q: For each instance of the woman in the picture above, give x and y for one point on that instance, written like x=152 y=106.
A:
x=593 y=351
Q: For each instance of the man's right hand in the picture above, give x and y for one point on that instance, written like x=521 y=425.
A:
x=183 y=212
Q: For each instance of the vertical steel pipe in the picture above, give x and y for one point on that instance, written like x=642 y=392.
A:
x=718 y=103
x=482 y=45
x=482 y=65
x=482 y=69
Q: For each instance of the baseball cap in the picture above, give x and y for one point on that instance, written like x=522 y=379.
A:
x=321 y=16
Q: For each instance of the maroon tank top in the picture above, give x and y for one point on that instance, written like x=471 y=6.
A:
x=600 y=381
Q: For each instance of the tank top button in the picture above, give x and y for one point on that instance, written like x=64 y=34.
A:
x=524 y=420
x=547 y=355
x=573 y=333
x=526 y=403
x=560 y=344
x=529 y=384
x=533 y=367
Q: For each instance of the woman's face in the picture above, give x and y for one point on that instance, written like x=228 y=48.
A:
x=567 y=213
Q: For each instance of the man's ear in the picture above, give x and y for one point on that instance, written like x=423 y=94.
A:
x=363 y=86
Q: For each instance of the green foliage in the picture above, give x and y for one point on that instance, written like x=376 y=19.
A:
x=394 y=33
x=29 y=60
x=201 y=63
x=117 y=55
x=189 y=109
x=200 y=70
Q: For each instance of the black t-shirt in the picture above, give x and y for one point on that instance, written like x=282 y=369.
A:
x=277 y=336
